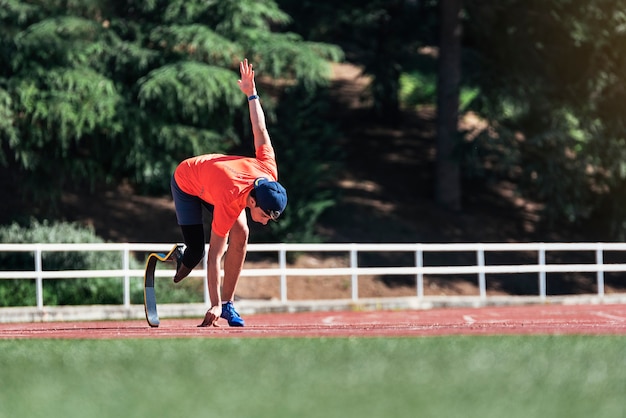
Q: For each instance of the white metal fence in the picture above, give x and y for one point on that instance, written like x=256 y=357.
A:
x=534 y=255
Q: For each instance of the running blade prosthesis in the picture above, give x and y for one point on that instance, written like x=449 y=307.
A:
x=149 y=296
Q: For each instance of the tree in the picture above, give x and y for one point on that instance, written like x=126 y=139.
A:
x=448 y=178
x=550 y=83
x=552 y=77
x=383 y=36
x=93 y=92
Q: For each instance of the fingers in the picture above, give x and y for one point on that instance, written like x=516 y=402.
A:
x=246 y=83
x=245 y=68
x=209 y=319
x=203 y=325
x=208 y=323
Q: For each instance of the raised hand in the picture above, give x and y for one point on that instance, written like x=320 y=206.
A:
x=246 y=84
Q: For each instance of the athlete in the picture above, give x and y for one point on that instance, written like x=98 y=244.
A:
x=226 y=185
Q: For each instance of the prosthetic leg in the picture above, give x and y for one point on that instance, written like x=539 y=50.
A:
x=149 y=297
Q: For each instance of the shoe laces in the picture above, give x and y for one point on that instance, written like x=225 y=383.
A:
x=229 y=309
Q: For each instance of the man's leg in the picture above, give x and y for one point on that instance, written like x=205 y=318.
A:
x=233 y=263
x=193 y=236
x=189 y=216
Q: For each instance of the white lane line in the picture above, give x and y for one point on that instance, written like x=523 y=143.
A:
x=609 y=316
x=329 y=320
x=468 y=319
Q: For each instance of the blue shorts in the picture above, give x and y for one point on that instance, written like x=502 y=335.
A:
x=188 y=207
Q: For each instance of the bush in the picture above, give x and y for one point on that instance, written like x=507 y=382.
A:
x=81 y=291
x=60 y=291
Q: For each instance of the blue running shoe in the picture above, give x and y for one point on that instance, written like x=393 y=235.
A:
x=230 y=314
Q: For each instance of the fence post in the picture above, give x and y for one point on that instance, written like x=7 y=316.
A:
x=542 y=271
x=39 y=279
x=419 y=263
x=126 y=268
x=354 y=264
x=600 y=272
x=480 y=261
x=282 y=264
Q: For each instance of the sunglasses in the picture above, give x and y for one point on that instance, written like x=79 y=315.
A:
x=273 y=214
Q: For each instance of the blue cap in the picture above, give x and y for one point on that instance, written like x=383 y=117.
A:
x=271 y=196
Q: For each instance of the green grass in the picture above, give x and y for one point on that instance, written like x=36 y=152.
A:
x=502 y=376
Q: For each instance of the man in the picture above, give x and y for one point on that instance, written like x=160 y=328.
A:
x=227 y=185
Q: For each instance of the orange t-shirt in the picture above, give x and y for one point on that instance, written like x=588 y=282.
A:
x=224 y=181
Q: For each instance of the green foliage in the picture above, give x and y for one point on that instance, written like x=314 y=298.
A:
x=71 y=103
x=67 y=120
x=418 y=88
x=95 y=92
x=552 y=85
x=287 y=55
x=232 y=18
x=196 y=41
x=381 y=36
x=80 y=291
x=16 y=11
x=8 y=133
x=64 y=41
x=548 y=77
x=308 y=158
x=188 y=91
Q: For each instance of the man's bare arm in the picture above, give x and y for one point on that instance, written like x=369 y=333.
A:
x=217 y=246
x=257 y=116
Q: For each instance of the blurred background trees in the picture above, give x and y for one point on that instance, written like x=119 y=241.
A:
x=93 y=93
x=552 y=84
x=547 y=77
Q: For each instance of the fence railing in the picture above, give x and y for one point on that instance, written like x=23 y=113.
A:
x=534 y=256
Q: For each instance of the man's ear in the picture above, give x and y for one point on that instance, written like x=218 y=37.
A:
x=251 y=201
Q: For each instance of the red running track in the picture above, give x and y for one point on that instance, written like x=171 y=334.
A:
x=533 y=319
